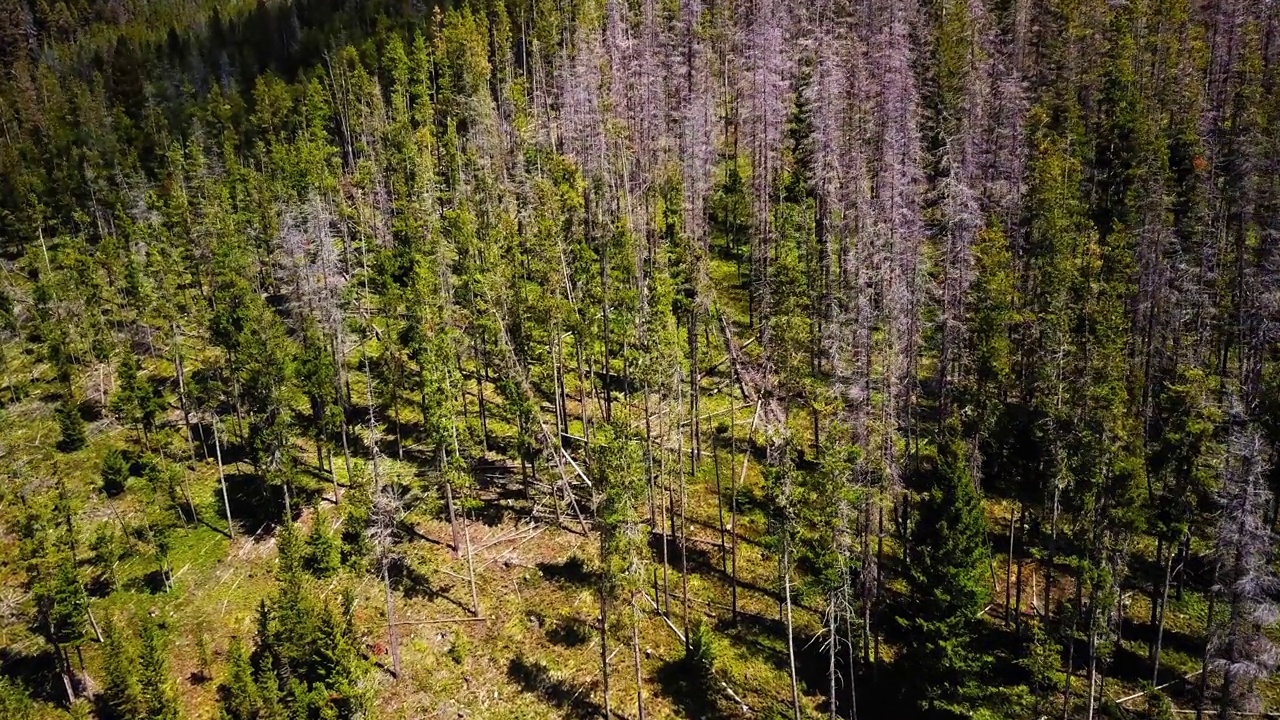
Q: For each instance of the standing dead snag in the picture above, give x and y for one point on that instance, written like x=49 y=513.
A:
x=471 y=569
x=1246 y=580
x=387 y=512
x=384 y=521
x=222 y=478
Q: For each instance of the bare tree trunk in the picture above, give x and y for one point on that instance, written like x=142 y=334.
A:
x=1155 y=586
x=879 y=572
x=222 y=479
x=715 y=461
x=604 y=318
x=393 y=642
x=853 y=685
x=666 y=541
x=93 y=622
x=346 y=454
x=480 y=380
x=1203 y=693
x=695 y=436
x=182 y=393
x=832 y=641
x=64 y=668
x=1017 y=595
x=1071 y=659
x=737 y=480
x=582 y=385
x=555 y=495
x=1164 y=601
x=684 y=526
x=1183 y=554
x=1228 y=673
x=333 y=475
x=1008 y=570
x=635 y=655
x=648 y=462
x=864 y=582
x=1049 y=560
x=562 y=405
x=733 y=510
x=235 y=393
x=1093 y=655
x=453 y=518
x=191 y=503
x=791 y=641
x=471 y=569
x=395 y=411
x=604 y=646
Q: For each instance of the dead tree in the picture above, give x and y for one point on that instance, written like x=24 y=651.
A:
x=1246 y=583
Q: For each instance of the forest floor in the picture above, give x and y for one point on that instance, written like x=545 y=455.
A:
x=534 y=652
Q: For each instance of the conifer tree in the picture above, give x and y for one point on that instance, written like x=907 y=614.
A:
x=137 y=400
x=780 y=479
x=1182 y=464
x=1055 y=222
x=108 y=549
x=992 y=320
x=319 y=376
x=291 y=550
x=272 y=705
x=616 y=470
x=61 y=606
x=58 y=600
x=115 y=472
x=122 y=692
x=71 y=426
x=15 y=703
x=828 y=501
x=322 y=554
x=945 y=577
x=238 y=691
x=357 y=514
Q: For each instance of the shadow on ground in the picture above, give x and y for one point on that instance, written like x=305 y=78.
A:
x=533 y=676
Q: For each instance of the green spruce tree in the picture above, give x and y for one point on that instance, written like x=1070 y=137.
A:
x=15 y=703
x=238 y=692
x=71 y=426
x=115 y=472
x=946 y=590
x=159 y=699
x=121 y=692
x=323 y=557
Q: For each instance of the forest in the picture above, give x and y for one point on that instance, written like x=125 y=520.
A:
x=726 y=359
